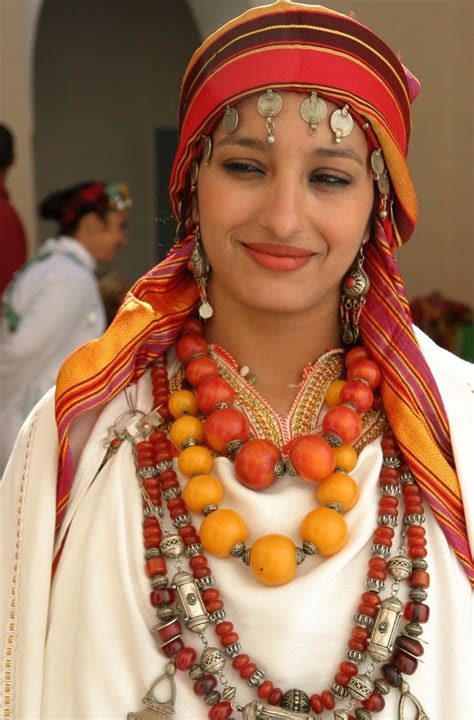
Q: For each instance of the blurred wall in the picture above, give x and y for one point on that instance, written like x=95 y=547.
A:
x=107 y=74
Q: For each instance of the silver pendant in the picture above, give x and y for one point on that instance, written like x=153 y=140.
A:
x=258 y=710
x=406 y=698
x=156 y=709
x=205 y=310
x=341 y=123
x=313 y=110
x=230 y=119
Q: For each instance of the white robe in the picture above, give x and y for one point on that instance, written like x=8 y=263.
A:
x=60 y=308
x=81 y=649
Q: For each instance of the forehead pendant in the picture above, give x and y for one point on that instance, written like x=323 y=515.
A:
x=341 y=123
x=230 y=119
x=269 y=105
x=313 y=110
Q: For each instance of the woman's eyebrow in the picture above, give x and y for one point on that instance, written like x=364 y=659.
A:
x=247 y=142
x=346 y=153
x=257 y=144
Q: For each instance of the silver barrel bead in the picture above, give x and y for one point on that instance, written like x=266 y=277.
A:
x=190 y=601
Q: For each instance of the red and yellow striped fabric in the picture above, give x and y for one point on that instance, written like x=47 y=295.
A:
x=298 y=47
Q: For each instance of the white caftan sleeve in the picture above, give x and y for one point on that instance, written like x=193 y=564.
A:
x=27 y=519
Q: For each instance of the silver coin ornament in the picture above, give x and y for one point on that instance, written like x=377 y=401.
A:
x=205 y=310
x=377 y=162
x=230 y=119
x=269 y=104
x=383 y=183
x=341 y=123
x=313 y=110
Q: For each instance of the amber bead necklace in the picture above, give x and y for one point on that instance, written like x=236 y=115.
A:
x=377 y=621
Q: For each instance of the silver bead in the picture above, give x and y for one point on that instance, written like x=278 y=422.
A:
x=355 y=656
x=300 y=556
x=290 y=469
x=360 y=687
x=376 y=585
x=182 y=520
x=339 y=691
x=363 y=620
x=418 y=594
x=205 y=582
x=363 y=714
x=234 y=446
x=153 y=511
x=414 y=519
x=296 y=700
x=217 y=616
x=193 y=549
x=195 y=672
x=163 y=466
x=256 y=678
x=336 y=506
x=382 y=686
x=381 y=551
x=333 y=440
x=414 y=629
x=172 y=492
x=246 y=557
x=147 y=471
x=400 y=567
x=152 y=553
x=388 y=520
x=212 y=697
x=309 y=548
x=407 y=478
x=189 y=443
x=339 y=714
x=208 y=510
x=190 y=602
x=212 y=660
x=385 y=630
x=229 y=693
x=419 y=564
x=171 y=546
x=165 y=612
x=238 y=550
x=391 y=461
x=159 y=581
x=280 y=469
x=392 y=490
x=233 y=650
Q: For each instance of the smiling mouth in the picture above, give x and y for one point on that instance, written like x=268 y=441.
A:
x=278 y=257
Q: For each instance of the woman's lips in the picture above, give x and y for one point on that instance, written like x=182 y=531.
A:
x=278 y=257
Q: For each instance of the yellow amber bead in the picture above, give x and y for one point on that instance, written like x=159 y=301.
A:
x=346 y=457
x=186 y=428
x=195 y=460
x=333 y=392
x=273 y=559
x=182 y=402
x=221 y=530
x=201 y=491
x=338 y=488
x=326 y=529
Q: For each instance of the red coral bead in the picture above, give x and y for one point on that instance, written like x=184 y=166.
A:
x=224 y=627
x=316 y=704
x=190 y=345
x=411 y=645
x=231 y=637
x=248 y=670
x=328 y=699
x=170 y=630
x=185 y=658
x=348 y=668
x=416 y=612
x=214 y=392
x=221 y=711
x=161 y=596
x=275 y=696
x=265 y=689
x=204 y=684
x=240 y=661
x=344 y=423
x=255 y=464
x=172 y=647
x=405 y=663
x=192 y=326
x=374 y=702
x=210 y=594
x=197 y=561
x=312 y=457
x=224 y=426
x=370 y=598
x=341 y=678
x=419 y=578
x=358 y=394
x=356 y=353
x=367 y=370
x=201 y=369
x=391 y=675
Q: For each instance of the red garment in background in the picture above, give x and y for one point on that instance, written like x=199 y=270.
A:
x=12 y=240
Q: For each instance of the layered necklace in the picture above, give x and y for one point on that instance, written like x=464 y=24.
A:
x=384 y=645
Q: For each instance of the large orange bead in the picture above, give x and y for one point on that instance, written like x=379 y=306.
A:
x=182 y=402
x=346 y=457
x=312 y=457
x=186 y=428
x=201 y=491
x=338 y=488
x=326 y=529
x=357 y=353
x=333 y=392
x=201 y=369
x=367 y=370
x=273 y=559
x=359 y=394
x=212 y=393
x=221 y=530
x=190 y=345
x=255 y=464
x=224 y=426
x=195 y=460
x=343 y=422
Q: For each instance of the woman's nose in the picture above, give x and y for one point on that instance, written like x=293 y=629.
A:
x=282 y=207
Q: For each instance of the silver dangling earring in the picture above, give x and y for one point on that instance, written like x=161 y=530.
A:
x=383 y=183
x=355 y=287
x=200 y=268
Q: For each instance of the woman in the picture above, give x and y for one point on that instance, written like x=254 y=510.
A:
x=288 y=116
x=53 y=304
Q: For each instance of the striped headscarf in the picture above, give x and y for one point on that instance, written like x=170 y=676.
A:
x=298 y=47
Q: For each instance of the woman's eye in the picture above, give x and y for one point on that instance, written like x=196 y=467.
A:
x=242 y=168
x=328 y=179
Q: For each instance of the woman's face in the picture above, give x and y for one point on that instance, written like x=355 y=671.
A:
x=105 y=236
x=282 y=223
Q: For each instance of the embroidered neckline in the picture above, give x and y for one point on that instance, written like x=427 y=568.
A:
x=307 y=410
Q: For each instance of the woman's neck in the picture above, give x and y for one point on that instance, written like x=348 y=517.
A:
x=275 y=346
